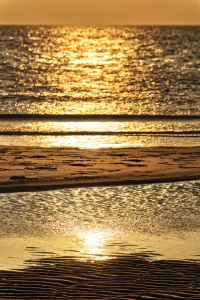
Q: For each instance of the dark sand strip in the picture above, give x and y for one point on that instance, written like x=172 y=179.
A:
x=99 y=133
x=34 y=168
x=126 y=277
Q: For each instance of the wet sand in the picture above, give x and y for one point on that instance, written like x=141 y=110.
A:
x=34 y=168
x=127 y=277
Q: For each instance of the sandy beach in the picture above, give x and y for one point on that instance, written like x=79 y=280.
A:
x=34 y=168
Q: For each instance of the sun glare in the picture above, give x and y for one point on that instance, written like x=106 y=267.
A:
x=91 y=240
x=93 y=58
x=94 y=246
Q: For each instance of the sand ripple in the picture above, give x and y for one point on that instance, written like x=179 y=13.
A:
x=128 y=277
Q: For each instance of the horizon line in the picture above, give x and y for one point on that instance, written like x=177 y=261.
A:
x=62 y=24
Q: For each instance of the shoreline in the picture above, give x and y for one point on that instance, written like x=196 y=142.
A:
x=51 y=186
x=24 y=169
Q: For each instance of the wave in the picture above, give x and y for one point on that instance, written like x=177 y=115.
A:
x=96 y=117
x=103 y=133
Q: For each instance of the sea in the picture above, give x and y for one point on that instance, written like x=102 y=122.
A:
x=96 y=87
x=63 y=85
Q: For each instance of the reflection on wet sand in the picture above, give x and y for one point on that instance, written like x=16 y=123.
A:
x=134 y=276
x=21 y=252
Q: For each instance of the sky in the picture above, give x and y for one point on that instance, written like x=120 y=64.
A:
x=100 y=12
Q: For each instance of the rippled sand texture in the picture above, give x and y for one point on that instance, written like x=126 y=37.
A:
x=26 y=167
x=129 y=277
x=98 y=70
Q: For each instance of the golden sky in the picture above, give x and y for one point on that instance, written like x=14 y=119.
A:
x=100 y=12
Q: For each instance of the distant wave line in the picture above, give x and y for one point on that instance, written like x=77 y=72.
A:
x=95 y=133
x=96 y=117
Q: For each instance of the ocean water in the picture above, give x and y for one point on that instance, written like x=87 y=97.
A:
x=139 y=84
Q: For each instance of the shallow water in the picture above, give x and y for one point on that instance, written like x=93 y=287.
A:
x=100 y=134
x=98 y=141
x=15 y=126
x=101 y=223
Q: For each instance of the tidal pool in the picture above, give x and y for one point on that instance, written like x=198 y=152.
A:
x=101 y=223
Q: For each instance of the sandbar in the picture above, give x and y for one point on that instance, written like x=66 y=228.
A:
x=35 y=168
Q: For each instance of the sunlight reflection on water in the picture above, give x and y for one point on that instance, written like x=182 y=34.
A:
x=101 y=222
x=98 y=70
x=49 y=134
x=136 y=126
x=98 y=141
